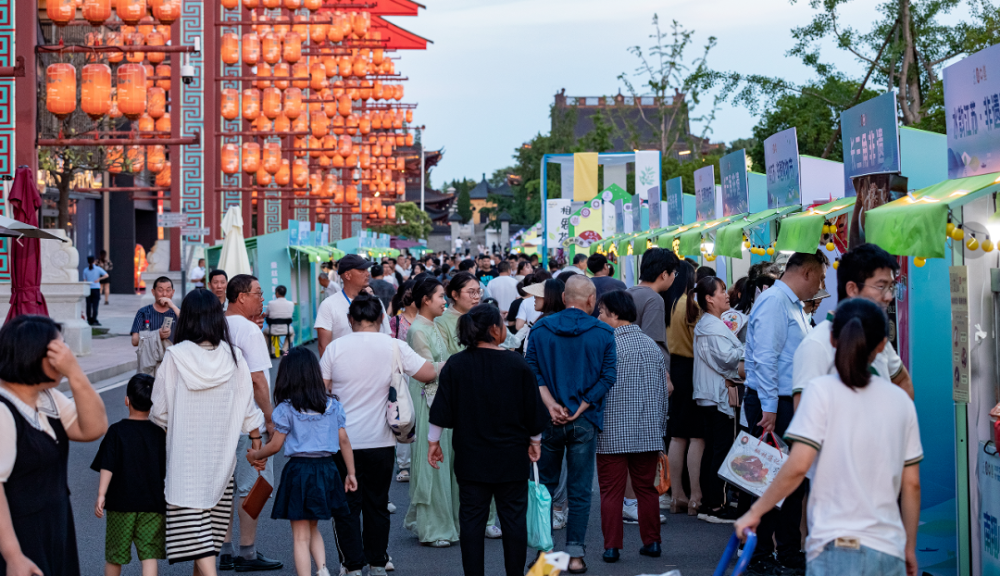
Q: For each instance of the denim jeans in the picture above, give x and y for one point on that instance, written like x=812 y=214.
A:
x=863 y=561
x=578 y=441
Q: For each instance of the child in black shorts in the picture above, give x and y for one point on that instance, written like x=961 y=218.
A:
x=132 y=461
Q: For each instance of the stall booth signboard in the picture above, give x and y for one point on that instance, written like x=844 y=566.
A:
x=972 y=106
x=871 y=139
x=704 y=186
x=675 y=202
x=735 y=188
x=781 y=156
x=988 y=475
x=589 y=223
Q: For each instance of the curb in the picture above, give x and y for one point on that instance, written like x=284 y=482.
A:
x=104 y=373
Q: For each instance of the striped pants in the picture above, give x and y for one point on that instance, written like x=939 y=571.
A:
x=193 y=533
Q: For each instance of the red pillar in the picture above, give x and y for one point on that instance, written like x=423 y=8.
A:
x=26 y=96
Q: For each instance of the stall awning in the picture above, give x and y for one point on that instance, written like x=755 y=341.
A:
x=729 y=239
x=691 y=240
x=802 y=232
x=915 y=224
x=666 y=238
x=319 y=253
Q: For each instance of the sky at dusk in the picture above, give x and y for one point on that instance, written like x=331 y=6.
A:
x=486 y=83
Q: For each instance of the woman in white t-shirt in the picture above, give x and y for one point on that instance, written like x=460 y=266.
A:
x=861 y=432
x=357 y=368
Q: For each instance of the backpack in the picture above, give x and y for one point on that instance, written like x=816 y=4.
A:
x=399 y=413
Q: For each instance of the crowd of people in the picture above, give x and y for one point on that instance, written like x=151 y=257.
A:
x=506 y=365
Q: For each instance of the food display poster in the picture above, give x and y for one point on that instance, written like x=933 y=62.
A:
x=781 y=157
x=871 y=139
x=752 y=464
x=735 y=188
x=972 y=109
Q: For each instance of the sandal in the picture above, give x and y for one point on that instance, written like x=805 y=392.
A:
x=581 y=570
x=403 y=476
x=693 y=507
x=676 y=506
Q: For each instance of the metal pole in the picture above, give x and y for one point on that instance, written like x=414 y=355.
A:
x=545 y=221
x=421 y=170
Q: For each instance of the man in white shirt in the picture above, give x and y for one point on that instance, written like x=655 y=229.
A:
x=866 y=271
x=331 y=319
x=198 y=274
x=579 y=265
x=246 y=300
x=503 y=288
x=404 y=267
x=280 y=312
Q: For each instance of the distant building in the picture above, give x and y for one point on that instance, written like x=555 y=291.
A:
x=480 y=194
x=627 y=116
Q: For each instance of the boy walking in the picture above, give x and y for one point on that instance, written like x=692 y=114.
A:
x=132 y=461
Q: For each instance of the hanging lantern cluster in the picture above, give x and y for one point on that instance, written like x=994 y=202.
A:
x=322 y=78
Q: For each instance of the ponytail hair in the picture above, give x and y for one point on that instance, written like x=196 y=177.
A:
x=474 y=326
x=859 y=326
x=90 y=262
x=705 y=287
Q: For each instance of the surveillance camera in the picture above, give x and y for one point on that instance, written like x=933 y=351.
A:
x=187 y=73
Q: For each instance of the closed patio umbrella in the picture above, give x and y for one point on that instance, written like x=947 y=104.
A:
x=26 y=268
x=234 y=259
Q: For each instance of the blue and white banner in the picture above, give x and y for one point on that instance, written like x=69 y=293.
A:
x=735 y=188
x=781 y=157
x=871 y=139
x=675 y=202
x=647 y=179
x=704 y=192
x=972 y=106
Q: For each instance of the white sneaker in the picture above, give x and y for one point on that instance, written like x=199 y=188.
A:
x=665 y=501
x=630 y=514
x=559 y=518
x=389 y=567
x=440 y=544
x=343 y=571
x=376 y=571
x=353 y=573
x=323 y=572
x=493 y=532
x=392 y=508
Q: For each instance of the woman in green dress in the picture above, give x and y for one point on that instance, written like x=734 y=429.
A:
x=463 y=292
x=433 y=512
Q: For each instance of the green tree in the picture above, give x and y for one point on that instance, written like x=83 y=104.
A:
x=464 y=206
x=411 y=222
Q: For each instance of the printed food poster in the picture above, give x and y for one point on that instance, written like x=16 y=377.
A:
x=752 y=464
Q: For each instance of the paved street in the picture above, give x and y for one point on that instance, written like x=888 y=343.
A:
x=689 y=545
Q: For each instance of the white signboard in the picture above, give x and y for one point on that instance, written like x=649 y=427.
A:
x=171 y=220
x=557 y=216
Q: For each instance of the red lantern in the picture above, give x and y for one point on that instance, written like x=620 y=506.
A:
x=263 y=178
x=409 y=139
x=131 y=89
x=134 y=39
x=251 y=157
x=283 y=70
x=131 y=11
x=263 y=71
x=319 y=125
x=318 y=30
x=313 y=5
x=60 y=91
x=157 y=98
x=136 y=159
x=95 y=11
x=230 y=4
x=272 y=157
x=251 y=49
x=317 y=73
x=292 y=51
x=293 y=4
x=282 y=124
x=315 y=147
x=251 y=4
x=61 y=12
x=270 y=48
x=115 y=158
x=344 y=105
x=230 y=48
x=167 y=11
x=155 y=39
x=351 y=124
x=230 y=103
x=251 y=104
x=163 y=177
x=300 y=173
x=283 y=176
x=293 y=103
x=271 y=103
x=163 y=125
x=163 y=73
x=230 y=159
x=156 y=158
x=95 y=93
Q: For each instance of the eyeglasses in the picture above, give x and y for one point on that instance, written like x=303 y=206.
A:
x=894 y=289
x=473 y=292
x=259 y=294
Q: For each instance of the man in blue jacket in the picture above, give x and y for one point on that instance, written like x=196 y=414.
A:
x=573 y=357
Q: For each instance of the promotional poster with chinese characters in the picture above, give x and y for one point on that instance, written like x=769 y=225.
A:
x=972 y=105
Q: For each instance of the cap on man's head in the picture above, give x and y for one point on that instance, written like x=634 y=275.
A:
x=352 y=262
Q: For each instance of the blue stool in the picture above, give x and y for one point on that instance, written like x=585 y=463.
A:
x=727 y=556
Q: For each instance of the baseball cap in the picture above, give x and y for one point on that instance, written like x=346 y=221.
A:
x=352 y=262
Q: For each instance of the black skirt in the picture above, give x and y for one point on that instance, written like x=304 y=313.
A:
x=687 y=419
x=310 y=489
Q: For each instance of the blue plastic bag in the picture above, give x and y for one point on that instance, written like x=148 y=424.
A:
x=539 y=513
